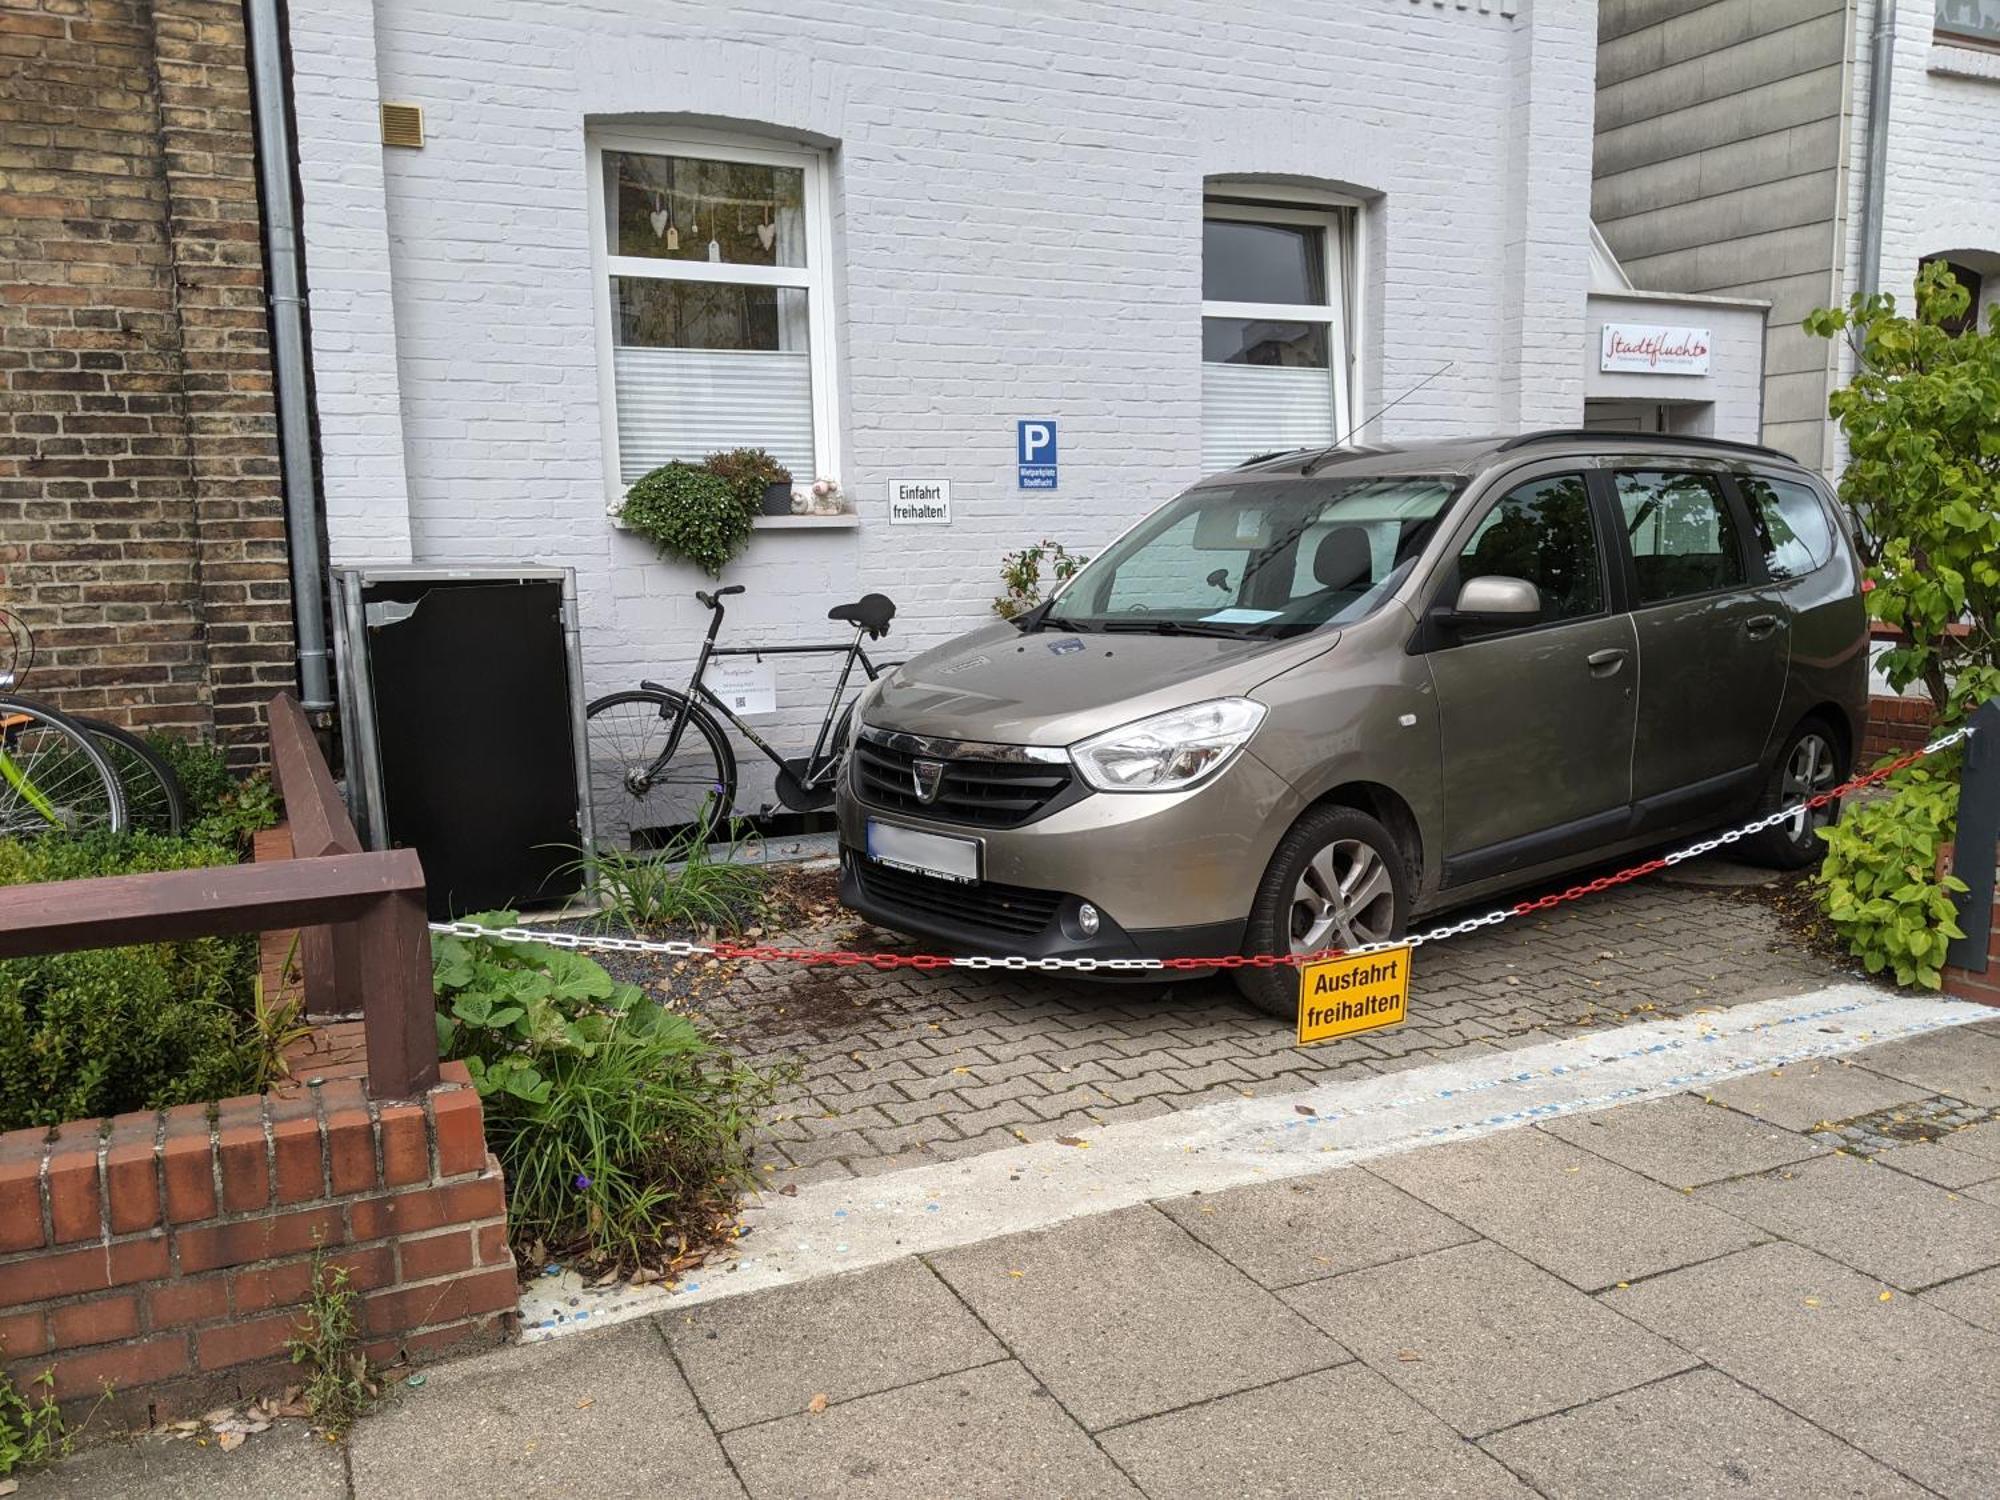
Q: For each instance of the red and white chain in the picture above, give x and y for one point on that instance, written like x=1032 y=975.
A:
x=845 y=959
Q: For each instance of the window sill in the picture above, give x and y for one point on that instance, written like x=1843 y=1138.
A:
x=805 y=523
x=1961 y=59
x=777 y=523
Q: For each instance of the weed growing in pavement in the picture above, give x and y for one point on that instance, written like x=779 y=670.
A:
x=32 y=1432
x=623 y=1129
x=684 y=883
x=338 y=1387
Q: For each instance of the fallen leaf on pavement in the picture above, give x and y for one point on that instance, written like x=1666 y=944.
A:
x=229 y=1442
x=1304 y=1109
x=817 y=1404
x=1885 y=1296
x=789 y=1190
x=586 y=1403
x=1409 y=1356
x=1071 y=1140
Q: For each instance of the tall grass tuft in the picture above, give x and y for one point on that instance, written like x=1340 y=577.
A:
x=683 y=883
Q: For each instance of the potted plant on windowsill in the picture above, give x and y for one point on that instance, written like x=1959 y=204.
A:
x=759 y=481
x=688 y=513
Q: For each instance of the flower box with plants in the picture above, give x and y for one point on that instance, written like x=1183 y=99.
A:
x=704 y=513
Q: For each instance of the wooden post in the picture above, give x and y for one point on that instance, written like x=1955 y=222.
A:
x=1974 y=842
x=398 y=1006
x=329 y=957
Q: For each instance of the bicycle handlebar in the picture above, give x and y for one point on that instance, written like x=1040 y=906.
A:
x=714 y=600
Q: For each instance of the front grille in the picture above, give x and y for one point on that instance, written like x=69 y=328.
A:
x=977 y=792
x=1010 y=909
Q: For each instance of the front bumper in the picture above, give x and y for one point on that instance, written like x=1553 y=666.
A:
x=1171 y=874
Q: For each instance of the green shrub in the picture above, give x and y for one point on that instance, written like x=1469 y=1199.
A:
x=1021 y=575
x=1879 y=883
x=114 y=1029
x=680 y=884
x=221 y=807
x=620 y=1125
x=748 y=472
x=689 y=513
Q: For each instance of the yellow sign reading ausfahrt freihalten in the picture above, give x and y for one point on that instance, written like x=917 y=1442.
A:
x=1340 y=996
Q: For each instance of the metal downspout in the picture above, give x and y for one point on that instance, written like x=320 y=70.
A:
x=1881 y=71
x=288 y=347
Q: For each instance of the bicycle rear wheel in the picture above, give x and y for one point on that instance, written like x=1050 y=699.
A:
x=153 y=799
x=638 y=802
x=53 y=778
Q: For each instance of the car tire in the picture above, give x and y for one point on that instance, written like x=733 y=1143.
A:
x=1278 y=911
x=1810 y=762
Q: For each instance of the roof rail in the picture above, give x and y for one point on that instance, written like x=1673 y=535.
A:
x=1264 y=458
x=1553 y=434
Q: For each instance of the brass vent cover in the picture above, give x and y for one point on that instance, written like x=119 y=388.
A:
x=402 y=125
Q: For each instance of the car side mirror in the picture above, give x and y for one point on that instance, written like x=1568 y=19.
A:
x=1494 y=601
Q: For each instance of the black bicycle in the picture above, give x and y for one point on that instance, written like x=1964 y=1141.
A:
x=661 y=764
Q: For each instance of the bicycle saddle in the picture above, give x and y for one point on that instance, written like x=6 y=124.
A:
x=871 y=612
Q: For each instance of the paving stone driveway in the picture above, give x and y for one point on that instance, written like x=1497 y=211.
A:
x=1682 y=1297
x=900 y=1067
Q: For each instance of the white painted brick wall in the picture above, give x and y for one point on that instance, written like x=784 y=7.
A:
x=348 y=286
x=1943 y=179
x=1017 y=235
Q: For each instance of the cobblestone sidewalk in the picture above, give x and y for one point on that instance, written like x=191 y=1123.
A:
x=1787 y=1287
x=901 y=1067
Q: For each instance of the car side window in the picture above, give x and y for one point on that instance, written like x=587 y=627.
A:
x=1790 y=525
x=1681 y=532
x=1541 y=531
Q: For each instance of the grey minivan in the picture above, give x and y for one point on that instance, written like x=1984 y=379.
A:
x=1327 y=692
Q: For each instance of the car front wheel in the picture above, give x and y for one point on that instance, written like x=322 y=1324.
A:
x=1337 y=880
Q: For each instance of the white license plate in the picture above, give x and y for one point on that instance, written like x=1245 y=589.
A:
x=924 y=853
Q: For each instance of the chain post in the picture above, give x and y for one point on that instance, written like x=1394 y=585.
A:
x=1976 y=840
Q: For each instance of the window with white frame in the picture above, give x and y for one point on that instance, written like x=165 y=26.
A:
x=712 y=266
x=1275 y=295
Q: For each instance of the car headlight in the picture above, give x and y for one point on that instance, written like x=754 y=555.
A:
x=1168 y=752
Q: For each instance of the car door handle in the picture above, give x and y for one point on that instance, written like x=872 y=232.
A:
x=1759 y=626
x=1605 y=663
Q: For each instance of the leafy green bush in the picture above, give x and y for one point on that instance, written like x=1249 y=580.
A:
x=1879 y=883
x=113 y=1029
x=748 y=472
x=620 y=1125
x=221 y=807
x=1922 y=481
x=1021 y=575
x=689 y=513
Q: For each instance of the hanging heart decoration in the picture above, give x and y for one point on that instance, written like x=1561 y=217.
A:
x=659 y=219
x=767 y=235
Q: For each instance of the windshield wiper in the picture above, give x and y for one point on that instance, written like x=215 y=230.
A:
x=1039 y=618
x=1173 y=627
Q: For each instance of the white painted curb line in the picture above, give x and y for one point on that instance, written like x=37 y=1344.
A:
x=834 y=1227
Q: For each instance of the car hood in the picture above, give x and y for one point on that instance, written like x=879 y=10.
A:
x=1054 y=688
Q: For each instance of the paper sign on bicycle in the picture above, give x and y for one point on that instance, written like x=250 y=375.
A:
x=745 y=684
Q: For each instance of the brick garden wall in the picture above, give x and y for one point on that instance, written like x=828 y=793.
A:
x=141 y=520
x=1896 y=726
x=170 y=1253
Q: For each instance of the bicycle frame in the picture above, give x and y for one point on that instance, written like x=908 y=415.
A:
x=820 y=764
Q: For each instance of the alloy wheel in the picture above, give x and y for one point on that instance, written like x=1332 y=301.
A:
x=1345 y=897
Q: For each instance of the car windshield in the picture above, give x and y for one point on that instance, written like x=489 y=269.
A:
x=1267 y=559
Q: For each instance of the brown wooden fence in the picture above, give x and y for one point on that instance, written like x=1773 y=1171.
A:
x=365 y=939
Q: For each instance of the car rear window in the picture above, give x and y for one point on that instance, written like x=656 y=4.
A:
x=1791 y=525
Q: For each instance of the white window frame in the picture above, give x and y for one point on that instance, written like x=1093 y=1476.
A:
x=1340 y=219
x=814 y=278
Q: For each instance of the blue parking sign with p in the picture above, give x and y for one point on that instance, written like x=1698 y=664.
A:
x=1035 y=452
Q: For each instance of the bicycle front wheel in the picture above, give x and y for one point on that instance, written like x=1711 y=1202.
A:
x=53 y=778
x=153 y=800
x=642 y=798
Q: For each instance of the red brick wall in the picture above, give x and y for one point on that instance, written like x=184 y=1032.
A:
x=141 y=518
x=1895 y=727
x=170 y=1254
